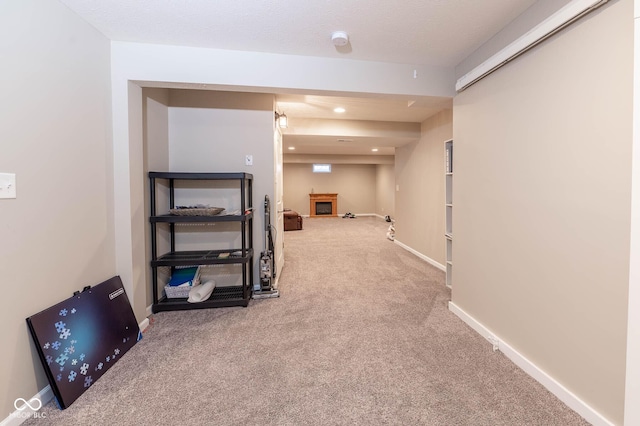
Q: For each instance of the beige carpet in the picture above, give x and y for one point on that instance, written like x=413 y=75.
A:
x=361 y=335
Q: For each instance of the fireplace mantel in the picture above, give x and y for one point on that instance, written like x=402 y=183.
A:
x=323 y=198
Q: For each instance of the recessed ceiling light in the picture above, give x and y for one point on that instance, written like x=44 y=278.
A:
x=374 y=149
x=339 y=110
x=291 y=148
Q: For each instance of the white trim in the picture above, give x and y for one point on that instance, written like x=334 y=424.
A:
x=342 y=214
x=20 y=416
x=383 y=217
x=149 y=310
x=563 y=17
x=632 y=382
x=144 y=324
x=422 y=256
x=556 y=388
x=359 y=214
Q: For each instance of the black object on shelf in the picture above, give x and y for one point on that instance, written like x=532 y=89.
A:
x=222 y=296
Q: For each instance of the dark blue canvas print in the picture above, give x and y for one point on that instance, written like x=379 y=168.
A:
x=79 y=339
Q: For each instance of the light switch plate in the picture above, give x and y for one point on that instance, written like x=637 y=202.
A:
x=7 y=185
x=248 y=160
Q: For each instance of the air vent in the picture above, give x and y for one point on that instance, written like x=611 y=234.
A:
x=345 y=140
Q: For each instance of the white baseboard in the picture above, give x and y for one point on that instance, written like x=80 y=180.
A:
x=36 y=402
x=358 y=214
x=342 y=214
x=144 y=324
x=422 y=256
x=562 y=393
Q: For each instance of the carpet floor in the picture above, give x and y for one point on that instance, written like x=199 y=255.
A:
x=360 y=335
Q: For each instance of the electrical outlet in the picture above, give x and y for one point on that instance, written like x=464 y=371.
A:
x=248 y=160
x=7 y=185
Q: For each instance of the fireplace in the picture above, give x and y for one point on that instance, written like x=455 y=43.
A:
x=323 y=208
x=323 y=205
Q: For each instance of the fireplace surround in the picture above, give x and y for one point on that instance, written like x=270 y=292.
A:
x=323 y=205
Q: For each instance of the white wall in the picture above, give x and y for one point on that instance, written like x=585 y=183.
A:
x=542 y=199
x=355 y=185
x=385 y=190
x=208 y=131
x=419 y=198
x=213 y=132
x=361 y=188
x=536 y=13
x=632 y=388
x=155 y=103
x=55 y=134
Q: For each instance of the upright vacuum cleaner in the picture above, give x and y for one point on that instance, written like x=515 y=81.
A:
x=267 y=261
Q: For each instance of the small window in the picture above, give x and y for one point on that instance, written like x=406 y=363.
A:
x=322 y=168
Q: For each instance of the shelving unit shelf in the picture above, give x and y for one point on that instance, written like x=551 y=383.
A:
x=238 y=295
x=448 y=206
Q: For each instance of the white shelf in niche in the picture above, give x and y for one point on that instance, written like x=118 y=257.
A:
x=448 y=202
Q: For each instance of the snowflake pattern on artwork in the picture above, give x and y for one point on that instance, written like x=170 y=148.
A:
x=62 y=358
x=84 y=369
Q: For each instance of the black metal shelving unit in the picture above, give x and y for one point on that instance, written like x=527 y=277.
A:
x=221 y=296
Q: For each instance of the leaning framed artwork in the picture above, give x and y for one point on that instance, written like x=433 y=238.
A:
x=80 y=338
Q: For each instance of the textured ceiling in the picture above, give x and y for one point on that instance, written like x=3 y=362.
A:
x=418 y=32
x=430 y=32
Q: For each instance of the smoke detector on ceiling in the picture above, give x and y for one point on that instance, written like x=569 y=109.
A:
x=339 y=38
